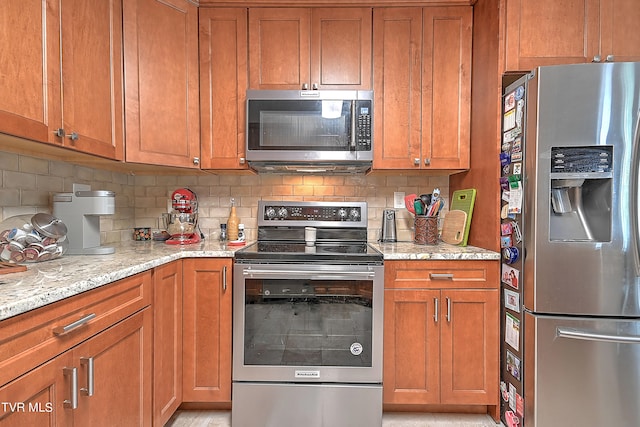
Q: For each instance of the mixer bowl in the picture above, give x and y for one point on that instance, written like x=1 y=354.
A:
x=180 y=224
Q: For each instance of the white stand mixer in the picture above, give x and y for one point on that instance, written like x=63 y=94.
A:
x=80 y=211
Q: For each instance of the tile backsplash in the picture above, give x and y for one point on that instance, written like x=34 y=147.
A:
x=27 y=185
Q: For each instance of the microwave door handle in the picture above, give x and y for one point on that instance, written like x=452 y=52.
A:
x=353 y=125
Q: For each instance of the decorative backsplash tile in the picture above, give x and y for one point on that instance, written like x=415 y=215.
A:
x=27 y=185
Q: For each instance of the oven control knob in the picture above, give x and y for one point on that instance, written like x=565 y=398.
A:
x=342 y=213
x=354 y=215
x=270 y=212
x=282 y=212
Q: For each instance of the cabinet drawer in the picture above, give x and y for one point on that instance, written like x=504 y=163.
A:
x=441 y=274
x=32 y=338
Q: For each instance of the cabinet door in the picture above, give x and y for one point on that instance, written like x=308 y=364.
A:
x=223 y=85
x=549 y=32
x=92 y=77
x=618 y=18
x=469 y=347
x=397 y=59
x=207 y=330
x=341 y=48
x=411 y=347
x=121 y=360
x=167 y=341
x=161 y=82
x=279 y=48
x=37 y=398
x=30 y=68
x=446 y=87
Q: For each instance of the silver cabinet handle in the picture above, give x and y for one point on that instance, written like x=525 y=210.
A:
x=72 y=402
x=59 y=132
x=224 y=278
x=435 y=314
x=427 y=162
x=579 y=334
x=88 y=362
x=416 y=162
x=61 y=330
x=305 y=86
x=314 y=86
x=596 y=58
x=196 y=161
x=441 y=276
x=448 y=309
x=609 y=58
x=242 y=160
x=72 y=136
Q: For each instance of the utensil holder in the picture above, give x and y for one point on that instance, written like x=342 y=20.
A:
x=426 y=230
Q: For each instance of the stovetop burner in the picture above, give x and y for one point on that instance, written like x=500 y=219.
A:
x=341 y=234
x=299 y=252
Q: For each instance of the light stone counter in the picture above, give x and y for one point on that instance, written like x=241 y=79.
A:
x=441 y=251
x=51 y=281
x=47 y=282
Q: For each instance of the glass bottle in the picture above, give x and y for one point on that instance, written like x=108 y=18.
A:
x=232 y=222
x=223 y=232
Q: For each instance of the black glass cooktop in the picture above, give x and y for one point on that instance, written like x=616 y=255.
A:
x=300 y=252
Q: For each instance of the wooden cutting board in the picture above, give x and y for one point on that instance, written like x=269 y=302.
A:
x=454 y=226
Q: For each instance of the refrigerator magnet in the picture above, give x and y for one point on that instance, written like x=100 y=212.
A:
x=512 y=419
x=510 y=276
x=509 y=120
x=510 y=101
x=516 y=156
x=513 y=365
x=512 y=300
x=519 y=405
x=505 y=241
x=512 y=331
x=504 y=391
x=506 y=228
x=517 y=168
x=505 y=159
x=519 y=93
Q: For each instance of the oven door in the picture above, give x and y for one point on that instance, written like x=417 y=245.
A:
x=308 y=323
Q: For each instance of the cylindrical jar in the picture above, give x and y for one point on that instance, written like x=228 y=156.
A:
x=232 y=223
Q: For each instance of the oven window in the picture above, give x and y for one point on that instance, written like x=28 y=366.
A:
x=299 y=125
x=308 y=322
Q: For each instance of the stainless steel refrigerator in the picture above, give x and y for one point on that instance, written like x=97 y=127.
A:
x=570 y=240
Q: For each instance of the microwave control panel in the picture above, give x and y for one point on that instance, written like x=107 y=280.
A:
x=363 y=124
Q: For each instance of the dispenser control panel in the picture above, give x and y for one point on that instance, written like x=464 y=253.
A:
x=595 y=158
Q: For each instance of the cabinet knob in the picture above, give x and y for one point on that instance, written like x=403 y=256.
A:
x=597 y=58
x=610 y=58
x=72 y=136
x=314 y=86
x=416 y=162
x=196 y=161
x=305 y=86
x=59 y=132
x=427 y=162
x=242 y=160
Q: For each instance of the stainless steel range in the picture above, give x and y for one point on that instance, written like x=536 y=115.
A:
x=307 y=319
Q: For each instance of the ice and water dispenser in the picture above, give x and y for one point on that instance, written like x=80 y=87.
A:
x=581 y=193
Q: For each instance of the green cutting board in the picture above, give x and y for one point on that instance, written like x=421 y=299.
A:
x=464 y=201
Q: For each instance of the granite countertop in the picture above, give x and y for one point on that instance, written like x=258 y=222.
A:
x=441 y=251
x=47 y=282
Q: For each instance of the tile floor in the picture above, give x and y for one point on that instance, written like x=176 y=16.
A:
x=223 y=419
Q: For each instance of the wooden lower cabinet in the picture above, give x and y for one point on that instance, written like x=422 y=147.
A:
x=441 y=344
x=121 y=394
x=167 y=341
x=207 y=330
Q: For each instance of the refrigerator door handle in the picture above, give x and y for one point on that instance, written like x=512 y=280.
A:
x=579 y=334
x=635 y=208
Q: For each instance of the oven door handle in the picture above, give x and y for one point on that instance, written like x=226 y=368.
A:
x=305 y=274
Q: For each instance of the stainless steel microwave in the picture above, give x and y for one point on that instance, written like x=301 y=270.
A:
x=322 y=128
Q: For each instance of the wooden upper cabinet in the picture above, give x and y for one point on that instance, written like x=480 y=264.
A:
x=223 y=85
x=162 y=109
x=552 y=32
x=92 y=77
x=62 y=73
x=422 y=87
x=320 y=48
